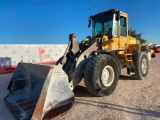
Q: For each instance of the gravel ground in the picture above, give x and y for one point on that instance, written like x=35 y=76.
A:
x=132 y=99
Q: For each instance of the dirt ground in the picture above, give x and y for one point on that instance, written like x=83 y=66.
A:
x=132 y=99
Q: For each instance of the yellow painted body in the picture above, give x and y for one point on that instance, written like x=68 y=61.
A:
x=124 y=49
x=125 y=45
x=115 y=45
x=119 y=41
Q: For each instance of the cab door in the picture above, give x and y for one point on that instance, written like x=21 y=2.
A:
x=123 y=37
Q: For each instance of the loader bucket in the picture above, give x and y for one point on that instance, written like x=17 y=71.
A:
x=38 y=92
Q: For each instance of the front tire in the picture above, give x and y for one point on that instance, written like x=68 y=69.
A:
x=101 y=75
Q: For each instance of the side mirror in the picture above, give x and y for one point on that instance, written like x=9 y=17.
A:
x=89 y=22
x=118 y=15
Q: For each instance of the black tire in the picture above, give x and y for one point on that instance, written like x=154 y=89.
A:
x=93 y=71
x=141 y=61
x=153 y=55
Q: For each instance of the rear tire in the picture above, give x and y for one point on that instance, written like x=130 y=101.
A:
x=101 y=75
x=141 y=66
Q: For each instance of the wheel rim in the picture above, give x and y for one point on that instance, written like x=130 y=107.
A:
x=144 y=66
x=107 y=75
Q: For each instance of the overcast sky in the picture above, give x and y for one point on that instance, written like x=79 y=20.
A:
x=51 y=21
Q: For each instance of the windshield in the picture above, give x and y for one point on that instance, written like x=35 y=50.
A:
x=104 y=24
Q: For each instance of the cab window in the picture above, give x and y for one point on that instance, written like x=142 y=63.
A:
x=123 y=26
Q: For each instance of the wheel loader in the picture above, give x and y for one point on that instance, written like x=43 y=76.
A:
x=39 y=92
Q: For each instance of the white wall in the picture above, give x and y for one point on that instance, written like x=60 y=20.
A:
x=11 y=55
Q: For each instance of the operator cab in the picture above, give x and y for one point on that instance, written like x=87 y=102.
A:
x=112 y=23
x=104 y=23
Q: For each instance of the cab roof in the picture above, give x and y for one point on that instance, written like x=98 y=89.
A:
x=107 y=12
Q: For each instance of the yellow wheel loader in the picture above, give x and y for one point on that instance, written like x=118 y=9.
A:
x=42 y=92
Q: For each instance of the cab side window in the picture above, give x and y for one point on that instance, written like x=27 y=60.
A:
x=123 y=26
